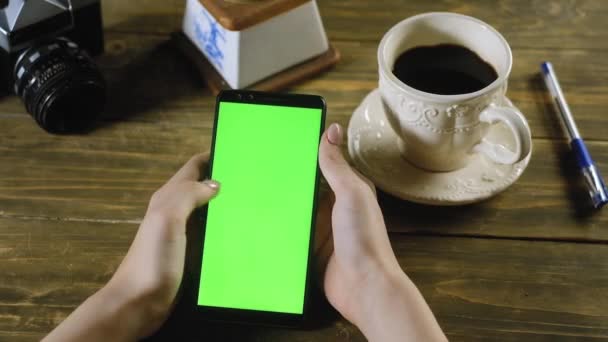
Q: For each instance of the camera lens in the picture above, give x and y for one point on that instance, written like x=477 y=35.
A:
x=60 y=86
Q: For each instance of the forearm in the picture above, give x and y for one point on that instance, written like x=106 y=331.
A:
x=102 y=317
x=396 y=311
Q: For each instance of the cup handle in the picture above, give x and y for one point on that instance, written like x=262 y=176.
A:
x=518 y=126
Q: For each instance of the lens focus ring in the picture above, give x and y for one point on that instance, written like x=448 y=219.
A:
x=60 y=86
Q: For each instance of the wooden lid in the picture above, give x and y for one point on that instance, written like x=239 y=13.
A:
x=237 y=15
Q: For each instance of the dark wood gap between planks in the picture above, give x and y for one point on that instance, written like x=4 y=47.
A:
x=499 y=237
x=70 y=219
x=152 y=34
x=180 y=124
x=396 y=233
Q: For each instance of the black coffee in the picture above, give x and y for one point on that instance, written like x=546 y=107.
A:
x=444 y=69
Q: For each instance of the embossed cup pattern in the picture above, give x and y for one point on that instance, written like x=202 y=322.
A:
x=442 y=132
x=437 y=136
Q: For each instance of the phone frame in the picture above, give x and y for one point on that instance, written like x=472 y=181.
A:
x=194 y=257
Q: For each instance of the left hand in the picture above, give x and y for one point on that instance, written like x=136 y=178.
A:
x=151 y=272
x=140 y=295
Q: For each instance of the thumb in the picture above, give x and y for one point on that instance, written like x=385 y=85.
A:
x=203 y=192
x=339 y=174
x=194 y=194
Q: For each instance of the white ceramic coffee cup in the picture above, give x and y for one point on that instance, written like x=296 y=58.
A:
x=442 y=132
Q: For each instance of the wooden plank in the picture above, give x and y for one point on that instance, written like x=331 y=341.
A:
x=159 y=115
x=148 y=72
x=549 y=201
x=19 y=336
x=537 y=24
x=155 y=17
x=510 y=290
x=48 y=267
x=583 y=83
x=111 y=173
x=480 y=289
x=148 y=80
x=546 y=24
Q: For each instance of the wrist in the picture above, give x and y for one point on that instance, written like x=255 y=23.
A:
x=132 y=309
x=102 y=317
x=118 y=312
x=379 y=282
x=381 y=286
x=140 y=308
x=394 y=310
x=382 y=302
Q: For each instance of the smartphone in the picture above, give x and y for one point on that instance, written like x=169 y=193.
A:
x=254 y=264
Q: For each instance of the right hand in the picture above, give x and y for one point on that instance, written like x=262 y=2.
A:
x=362 y=250
x=363 y=279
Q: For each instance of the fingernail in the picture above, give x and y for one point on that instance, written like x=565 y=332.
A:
x=212 y=184
x=334 y=134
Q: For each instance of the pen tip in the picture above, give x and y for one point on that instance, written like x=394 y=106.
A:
x=600 y=197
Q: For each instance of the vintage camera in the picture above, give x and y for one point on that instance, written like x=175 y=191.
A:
x=45 y=49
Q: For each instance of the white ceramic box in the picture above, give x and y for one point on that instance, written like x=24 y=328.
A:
x=251 y=55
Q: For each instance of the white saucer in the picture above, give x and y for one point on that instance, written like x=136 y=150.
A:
x=373 y=147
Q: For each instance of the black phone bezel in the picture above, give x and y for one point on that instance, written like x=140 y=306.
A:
x=194 y=258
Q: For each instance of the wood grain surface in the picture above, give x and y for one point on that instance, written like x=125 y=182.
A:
x=479 y=288
x=529 y=264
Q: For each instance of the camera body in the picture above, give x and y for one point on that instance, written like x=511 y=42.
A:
x=45 y=51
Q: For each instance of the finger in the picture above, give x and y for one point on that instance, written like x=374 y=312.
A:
x=193 y=169
x=339 y=174
x=203 y=192
x=189 y=196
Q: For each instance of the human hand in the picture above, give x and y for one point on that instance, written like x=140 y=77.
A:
x=361 y=249
x=363 y=279
x=140 y=295
x=151 y=272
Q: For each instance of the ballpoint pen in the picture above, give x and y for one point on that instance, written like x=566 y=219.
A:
x=593 y=179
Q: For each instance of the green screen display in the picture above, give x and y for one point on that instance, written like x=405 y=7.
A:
x=255 y=250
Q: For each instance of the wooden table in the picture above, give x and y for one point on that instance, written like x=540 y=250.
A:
x=529 y=264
